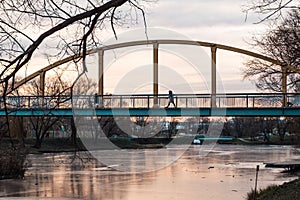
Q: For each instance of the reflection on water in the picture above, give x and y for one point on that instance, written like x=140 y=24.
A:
x=227 y=172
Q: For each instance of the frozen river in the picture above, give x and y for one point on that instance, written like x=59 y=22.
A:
x=226 y=172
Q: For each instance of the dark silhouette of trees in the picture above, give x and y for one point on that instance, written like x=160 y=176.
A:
x=271 y=9
x=281 y=43
x=69 y=23
x=57 y=94
x=57 y=29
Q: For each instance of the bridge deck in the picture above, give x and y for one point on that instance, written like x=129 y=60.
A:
x=255 y=104
x=217 y=112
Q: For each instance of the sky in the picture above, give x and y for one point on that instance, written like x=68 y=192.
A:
x=182 y=69
x=215 y=21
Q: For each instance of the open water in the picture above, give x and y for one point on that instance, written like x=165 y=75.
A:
x=226 y=172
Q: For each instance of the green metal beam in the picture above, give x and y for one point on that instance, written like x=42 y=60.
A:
x=184 y=112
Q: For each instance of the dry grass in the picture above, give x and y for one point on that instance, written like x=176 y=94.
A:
x=12 y=162
x=286 y=191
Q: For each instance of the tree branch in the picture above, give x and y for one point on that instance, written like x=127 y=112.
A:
x=22 y=59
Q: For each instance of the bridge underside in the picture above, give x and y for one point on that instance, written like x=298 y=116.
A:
x=175 y=112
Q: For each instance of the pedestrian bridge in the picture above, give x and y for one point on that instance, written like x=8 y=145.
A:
x=238 y=104
x=213 y=104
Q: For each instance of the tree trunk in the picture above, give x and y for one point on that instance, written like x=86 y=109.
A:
x=74 y=132
x=38 y=143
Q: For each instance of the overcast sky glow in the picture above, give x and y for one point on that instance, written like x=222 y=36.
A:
x=215 y=21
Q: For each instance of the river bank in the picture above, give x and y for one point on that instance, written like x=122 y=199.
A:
x=67 y=145
x=286 y=191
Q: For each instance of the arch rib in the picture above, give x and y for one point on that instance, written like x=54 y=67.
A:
x=152 y=42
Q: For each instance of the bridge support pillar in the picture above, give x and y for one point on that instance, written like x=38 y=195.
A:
x=284 y=86
x=100 y=72
x=213 y=76
x=42 y=84
x=155 y=73
x=101 y=77
x=42 y=88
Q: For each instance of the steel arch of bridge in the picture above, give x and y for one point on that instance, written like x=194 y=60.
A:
x=155 y=43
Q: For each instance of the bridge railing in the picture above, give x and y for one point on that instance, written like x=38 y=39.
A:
x=237 y=100
x=47 y=102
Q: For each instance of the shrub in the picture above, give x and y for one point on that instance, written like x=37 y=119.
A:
x=12 y=162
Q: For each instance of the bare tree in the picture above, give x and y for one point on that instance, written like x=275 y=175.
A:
x=66 y=23
x=271 y=9
x=283 y=44
x=56 y=29
x=57 y=94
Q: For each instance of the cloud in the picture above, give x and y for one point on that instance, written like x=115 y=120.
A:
x=220 y=21
x=195 y=13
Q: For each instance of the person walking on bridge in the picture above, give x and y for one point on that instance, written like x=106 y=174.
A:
x=171 y=99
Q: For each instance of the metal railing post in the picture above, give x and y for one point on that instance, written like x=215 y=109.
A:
x=28 y=103
x=121 y=99
x=133 y=102
x=186 y=102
